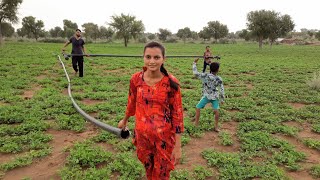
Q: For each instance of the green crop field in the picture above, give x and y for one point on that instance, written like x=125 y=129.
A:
x=270 y=122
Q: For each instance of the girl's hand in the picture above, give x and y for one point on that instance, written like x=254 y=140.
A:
x=196 y=60
x=176 y=153
x=122 y=124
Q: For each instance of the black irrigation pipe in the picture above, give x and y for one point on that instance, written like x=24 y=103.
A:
x=66 y=56
x=119 y=132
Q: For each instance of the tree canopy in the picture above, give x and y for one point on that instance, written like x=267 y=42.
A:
x=265 y=24
x=69 y=28
x=7 y=29
x=56 y=32
x=163 y=34
x=126 y=27
x=91 y=30
x=184 y=33
x=8 y=12
x=215 y=30
x=32 y=28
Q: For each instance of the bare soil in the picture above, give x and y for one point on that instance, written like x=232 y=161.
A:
x=48 y=167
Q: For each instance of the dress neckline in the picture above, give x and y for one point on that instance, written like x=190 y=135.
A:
x=156 y=84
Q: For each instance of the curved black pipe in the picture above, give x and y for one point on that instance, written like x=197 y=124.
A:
x=119 y=132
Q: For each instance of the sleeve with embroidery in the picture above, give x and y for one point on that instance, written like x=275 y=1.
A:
x=131 y=105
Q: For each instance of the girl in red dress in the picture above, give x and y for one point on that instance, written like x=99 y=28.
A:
x=155 y=101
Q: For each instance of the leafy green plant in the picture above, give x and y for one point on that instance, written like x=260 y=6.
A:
x=202 y=173
x=316 y=128
x=312 y=143
x=180 y=174
x=76 y=172
x=128 y=166
x=85 y=154
x=315 y=171
x=25 y=159
x=225 y=138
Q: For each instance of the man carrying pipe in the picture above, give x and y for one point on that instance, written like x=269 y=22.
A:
x=77 y=48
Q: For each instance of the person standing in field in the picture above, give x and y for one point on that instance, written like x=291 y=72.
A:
x=213 y=91
x=207 y=60
x=77 y=48
x=155 y=101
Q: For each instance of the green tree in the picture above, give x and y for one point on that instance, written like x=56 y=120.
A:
x=163 y=34
x=8 y=12
x=137 y=29
x=311 y=33
x=7 y=29
x=22 y=32
x=318 y=35
x=280 y=28
x=194 y=35
x=91 y=30
x=69 y=28
x=217 y=30
x=245 y=34
x=56 y=32
x=205 y=34
x=184 y=34
x=106 y=33
x=268 y=24
x=151 y=36
x=32 y=27
x=126 y=27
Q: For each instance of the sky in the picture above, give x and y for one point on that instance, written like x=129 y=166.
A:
x=167 y=14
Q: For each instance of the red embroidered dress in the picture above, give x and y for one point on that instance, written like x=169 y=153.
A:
x=159 y=116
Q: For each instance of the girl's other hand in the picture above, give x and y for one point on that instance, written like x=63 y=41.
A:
x=122 y=124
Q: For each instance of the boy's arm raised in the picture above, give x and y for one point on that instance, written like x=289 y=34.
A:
x=195 y=70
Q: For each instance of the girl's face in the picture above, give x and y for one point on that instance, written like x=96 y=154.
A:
x=153 y=59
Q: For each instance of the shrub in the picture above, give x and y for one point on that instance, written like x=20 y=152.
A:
x=223 y=41
x=171 y=40
x=53 y=40
x=142 y=40
x=314 y=83
x=315 y=171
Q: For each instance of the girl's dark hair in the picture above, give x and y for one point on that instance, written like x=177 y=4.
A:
x=214 y=67
x=154 y=44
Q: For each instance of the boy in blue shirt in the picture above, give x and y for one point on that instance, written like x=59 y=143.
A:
x=213 y=91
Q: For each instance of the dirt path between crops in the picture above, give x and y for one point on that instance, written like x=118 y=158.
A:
x=312 y=155
x=48 y=167
x=192 y=151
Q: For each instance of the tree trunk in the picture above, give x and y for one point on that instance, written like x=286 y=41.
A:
x=0 y=34
x=260 y=42
x=125 y=42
